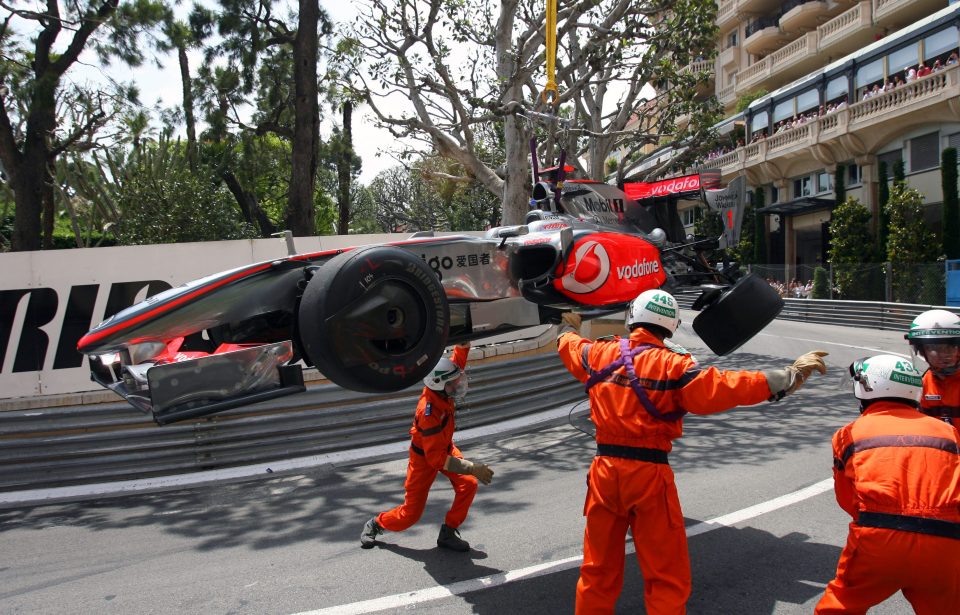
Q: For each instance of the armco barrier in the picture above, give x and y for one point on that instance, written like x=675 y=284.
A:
x=112 y=441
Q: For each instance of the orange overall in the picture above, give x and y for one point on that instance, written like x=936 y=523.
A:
x=941 y=397
x=431 y=443
x=630 y=486
x=897 y=473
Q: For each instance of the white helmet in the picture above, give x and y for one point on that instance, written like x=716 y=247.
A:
x=446 y=371
x=654 y=307
x=935 y=327
x=886 y=376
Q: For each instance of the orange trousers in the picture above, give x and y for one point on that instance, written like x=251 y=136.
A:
x=625 y=494
x=420 y=477
x=878 y=562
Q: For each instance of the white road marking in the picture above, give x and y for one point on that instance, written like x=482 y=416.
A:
x=407 y=599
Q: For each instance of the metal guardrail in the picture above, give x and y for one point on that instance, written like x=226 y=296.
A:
x=866 y=314
x=61 y=446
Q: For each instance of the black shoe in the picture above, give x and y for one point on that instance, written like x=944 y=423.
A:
x=371 y=529
x=449 y=538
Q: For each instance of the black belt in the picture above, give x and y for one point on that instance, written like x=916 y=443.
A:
x=416 y=449
x=652 y=455
x=906 y=523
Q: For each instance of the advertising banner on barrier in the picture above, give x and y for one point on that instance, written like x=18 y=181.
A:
x=50 y=299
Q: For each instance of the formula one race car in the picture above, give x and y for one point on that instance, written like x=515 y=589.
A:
x=377 y=318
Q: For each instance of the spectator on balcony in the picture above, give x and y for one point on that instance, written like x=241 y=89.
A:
x=899 y=82
x=888 y=86
x=937 y=66
x=953 y=59
x=910 y=75
x=842 y=103
x=923 y=70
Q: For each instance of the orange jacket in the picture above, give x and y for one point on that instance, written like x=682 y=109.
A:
x=941 y=397
x=894 y=460
x=672 y=380
x=433 y=423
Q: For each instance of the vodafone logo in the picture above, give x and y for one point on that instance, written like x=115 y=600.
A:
x=680 y=184
x=637 y=269
x=591 y=266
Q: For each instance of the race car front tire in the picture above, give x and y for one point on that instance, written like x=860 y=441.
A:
x=374 y=319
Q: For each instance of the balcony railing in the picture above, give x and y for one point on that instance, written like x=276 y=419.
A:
x=726 y=12
x=931 y=92
x=844 y=25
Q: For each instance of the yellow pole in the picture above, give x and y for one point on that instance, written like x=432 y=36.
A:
x=550 y=90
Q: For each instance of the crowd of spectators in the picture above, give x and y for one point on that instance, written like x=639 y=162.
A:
x=794 y=290
x=909 y=75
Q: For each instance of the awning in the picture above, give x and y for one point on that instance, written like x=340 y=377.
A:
x=803 y=205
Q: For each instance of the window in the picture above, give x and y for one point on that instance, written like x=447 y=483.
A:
x=732 y=39
x=760 y=122
x=891 y=158
x=868 y=73
x=807 y=101
x=941 y=42
x=902 y=58
x=783 y=111
x=924 y=152
x=688 y=216
x=824 y=182
x=802 y=187
x=954 y=141
x=774 y=194
x=853 y=175
x=836 y=88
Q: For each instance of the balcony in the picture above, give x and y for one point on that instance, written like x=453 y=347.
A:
x=803 y=15
x=704 y=70
x=728 y=94
x=896 y=13
x=848 y=31
x=729 y=57
x=726 y=13
x=850 y=132
x=763 y=35
x=757 y=6
x=795 y=60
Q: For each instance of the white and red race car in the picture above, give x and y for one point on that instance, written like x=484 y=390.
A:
x=377 y=318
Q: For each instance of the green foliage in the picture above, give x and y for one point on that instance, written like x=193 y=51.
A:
x=883 y=197
x=160 y=200
x=821 y=284
x=840 y=184
x=910 y=242
x=850 y=247
x=899 y=176
x=951 y=203
x=745 y=99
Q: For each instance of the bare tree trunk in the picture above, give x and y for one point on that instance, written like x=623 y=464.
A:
x=516 y=192
x=188 y=117
x=249 y=207
x=344 y=160
x=301 y=217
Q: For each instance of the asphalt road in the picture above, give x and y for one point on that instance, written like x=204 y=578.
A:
x=286 y=544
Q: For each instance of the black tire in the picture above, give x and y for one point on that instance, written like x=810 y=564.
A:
x=738 y=314
x=374 y=319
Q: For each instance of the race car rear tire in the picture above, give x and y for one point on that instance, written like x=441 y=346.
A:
x=374 y=319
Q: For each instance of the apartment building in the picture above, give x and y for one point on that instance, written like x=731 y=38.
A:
x=834 y=83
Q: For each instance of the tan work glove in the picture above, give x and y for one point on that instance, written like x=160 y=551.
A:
x=806 y=364
x=458 y=465
x=569 y=321
x=483 y=472
x=783 y=382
